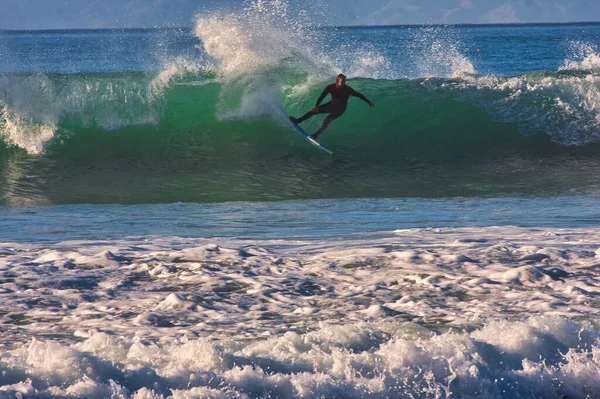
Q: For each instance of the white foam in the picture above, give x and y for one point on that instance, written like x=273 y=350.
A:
x=461 y=311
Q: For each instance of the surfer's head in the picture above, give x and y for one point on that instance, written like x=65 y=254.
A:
x=340 y=80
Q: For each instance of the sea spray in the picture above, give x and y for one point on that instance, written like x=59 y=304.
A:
x=269 y=51
x=437 y=51
x=24 y=132
x=255 y=49
x=582 y=56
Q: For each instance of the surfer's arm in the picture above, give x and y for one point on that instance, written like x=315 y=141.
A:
x=362 y=97
x=321 y=98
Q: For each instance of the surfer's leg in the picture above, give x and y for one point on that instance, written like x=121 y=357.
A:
x=304 y=117
x=326 y=122
x=322 y=109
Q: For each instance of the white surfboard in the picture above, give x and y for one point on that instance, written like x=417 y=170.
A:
x=307 y=136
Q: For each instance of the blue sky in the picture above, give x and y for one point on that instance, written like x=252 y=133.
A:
x=55 y=14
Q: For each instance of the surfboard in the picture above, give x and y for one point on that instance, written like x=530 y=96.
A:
x=307 y=136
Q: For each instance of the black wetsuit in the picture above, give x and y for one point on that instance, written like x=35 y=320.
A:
x=335 y=108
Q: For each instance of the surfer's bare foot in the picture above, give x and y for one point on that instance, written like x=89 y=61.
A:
x=315 y=137
x=294 y=120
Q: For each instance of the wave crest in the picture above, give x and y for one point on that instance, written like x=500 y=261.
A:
x=583 y=56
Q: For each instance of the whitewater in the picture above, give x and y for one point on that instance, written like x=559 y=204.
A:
x=425 y=312
x=165 y=234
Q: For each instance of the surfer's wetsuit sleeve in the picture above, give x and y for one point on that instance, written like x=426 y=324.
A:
x=322 y=96
x=359 y=95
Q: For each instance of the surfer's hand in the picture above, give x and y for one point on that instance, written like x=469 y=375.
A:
x=315 y=108
x=371 y=105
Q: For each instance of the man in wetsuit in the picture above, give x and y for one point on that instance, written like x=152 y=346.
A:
x=336 y=107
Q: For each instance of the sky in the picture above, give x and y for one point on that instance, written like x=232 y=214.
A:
x=93 y=14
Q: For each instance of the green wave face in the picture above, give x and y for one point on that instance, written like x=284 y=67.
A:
x=197 y=137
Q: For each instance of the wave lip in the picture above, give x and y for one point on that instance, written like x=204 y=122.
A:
x=39 y=107
x=583 y=56
x=25 y=133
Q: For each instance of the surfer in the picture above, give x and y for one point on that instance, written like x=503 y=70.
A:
x=336 y=107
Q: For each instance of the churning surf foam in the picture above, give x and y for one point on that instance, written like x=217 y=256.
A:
x=564 y=105
x=500 y=312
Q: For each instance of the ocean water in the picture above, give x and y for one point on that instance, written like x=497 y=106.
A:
x=165 y=234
